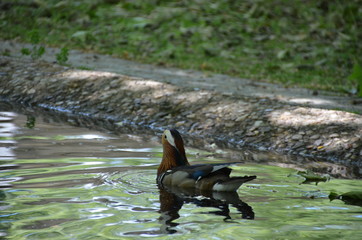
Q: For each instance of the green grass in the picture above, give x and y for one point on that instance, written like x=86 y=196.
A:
x=308 y=43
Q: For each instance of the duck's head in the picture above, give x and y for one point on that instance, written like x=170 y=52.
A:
x=173 y=151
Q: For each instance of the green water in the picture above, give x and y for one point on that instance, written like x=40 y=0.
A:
x=64 y=182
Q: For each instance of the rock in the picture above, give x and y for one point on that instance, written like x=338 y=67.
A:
x=318 y=142
x=229 y=124
x=265 y=129
x=298 y=145
x=250 y=134
x=256 y=124
x=179 y=124
x=315 y=136
x=297 y=137
x=334 y=135
x=31 y=91
x=309 y=132
x=241 y=118
x=355 y=139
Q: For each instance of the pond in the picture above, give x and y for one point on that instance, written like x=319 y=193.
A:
x=59 y=181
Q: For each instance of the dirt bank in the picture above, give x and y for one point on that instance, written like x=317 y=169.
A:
x=211 y=111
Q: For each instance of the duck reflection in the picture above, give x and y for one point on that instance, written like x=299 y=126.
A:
x=173 y=199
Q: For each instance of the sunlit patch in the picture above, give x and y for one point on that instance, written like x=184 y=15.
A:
x=7 y=115
x=337 y=227
x=151 y=87
x=6 y=153
x=192 y=97
x=87 y=137
x=337 y=208
x=270 y=185
x=100 y=216
x=7 y=141
x=7 y=181
x=312 y=208
x=141 y=84
x=310 y=116
x=317 y=101
x=131 y=150
x=95 y=210
x=7 y=128
x=81 y=74
x=92 y=163
x=118 y=161
x=89 y=186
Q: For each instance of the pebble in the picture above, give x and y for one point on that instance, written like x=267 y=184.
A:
x=179 y=124
x=256 y=124
x=229 y=124
x=309 y=132
x=354 y=139
x=328 y=143
x=298 y=145
x=297 y=137
x=241 y=118
x=31 y=91
x=334 y=135
x=265 y=129
x=315 y=136
x=250 y=134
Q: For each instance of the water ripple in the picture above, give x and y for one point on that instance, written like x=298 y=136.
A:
x=134 y=181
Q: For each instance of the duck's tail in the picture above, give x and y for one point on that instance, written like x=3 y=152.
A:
x=232 y=184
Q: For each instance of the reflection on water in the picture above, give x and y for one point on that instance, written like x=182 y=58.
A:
x=172 y=201
x=58 y=181
x=7 y=131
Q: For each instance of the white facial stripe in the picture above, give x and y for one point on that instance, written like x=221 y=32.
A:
x=170 y=138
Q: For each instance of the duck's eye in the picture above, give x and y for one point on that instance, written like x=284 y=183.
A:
x=165 y=137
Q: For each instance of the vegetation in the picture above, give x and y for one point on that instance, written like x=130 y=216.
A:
x=62 y=56
x=303 y=42
x=37 y=50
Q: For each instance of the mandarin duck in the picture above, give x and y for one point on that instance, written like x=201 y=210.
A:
x=175 y=170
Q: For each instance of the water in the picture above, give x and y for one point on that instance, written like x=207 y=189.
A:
x=64 y=182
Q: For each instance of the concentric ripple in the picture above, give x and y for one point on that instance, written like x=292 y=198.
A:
x=133 y=181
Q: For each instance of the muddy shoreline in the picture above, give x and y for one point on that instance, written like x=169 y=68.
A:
x=209 y=119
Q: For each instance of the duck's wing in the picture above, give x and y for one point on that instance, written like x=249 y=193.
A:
x=203 y=176
x=200 y=171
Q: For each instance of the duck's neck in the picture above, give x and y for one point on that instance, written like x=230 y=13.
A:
x=172 y=158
